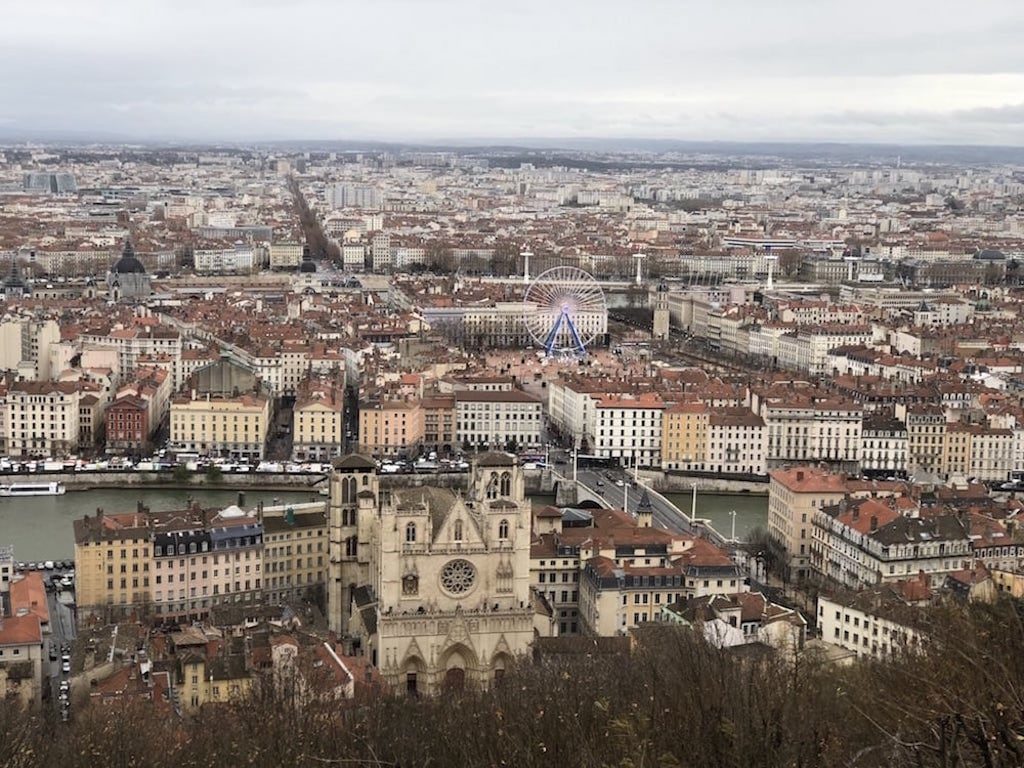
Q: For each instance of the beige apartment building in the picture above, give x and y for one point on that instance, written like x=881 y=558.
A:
x=232 y=426
x=42 y=417
x=390 y=427
x=318 y=427
x=285 y=254
x=926 y=435
x=294 y=553
x=113 y=563
x=684 y=430
x=794 y=495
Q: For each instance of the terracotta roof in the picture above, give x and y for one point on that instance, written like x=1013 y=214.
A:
x=20 y=630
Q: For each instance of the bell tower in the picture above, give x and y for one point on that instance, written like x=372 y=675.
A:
x=353 y=492
x=662 y=318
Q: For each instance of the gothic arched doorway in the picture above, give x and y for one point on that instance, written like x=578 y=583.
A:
x=454 y=680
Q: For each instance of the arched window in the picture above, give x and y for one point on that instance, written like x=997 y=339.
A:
x=457 y=530
x=503 y=530
x=410 y=533
x=366 y=480
x=506 y=484
x=351 y=546
x=492 y=486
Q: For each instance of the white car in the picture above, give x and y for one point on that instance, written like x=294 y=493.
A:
x=619 y=483
x=66 y=668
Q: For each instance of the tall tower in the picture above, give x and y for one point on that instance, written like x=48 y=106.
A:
x=526 y=265
x=354 y=489
x=639 y=258
x=771 y=259
x=662 y=318
x=851 y=264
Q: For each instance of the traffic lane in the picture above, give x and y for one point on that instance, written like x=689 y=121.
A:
x=62 y=631
x=665 y=513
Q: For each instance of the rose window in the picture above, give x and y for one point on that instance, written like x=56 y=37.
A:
x=457 y=576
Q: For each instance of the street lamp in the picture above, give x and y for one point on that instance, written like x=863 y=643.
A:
x=733 y=516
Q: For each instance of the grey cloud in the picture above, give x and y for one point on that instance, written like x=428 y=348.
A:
x=423 y=68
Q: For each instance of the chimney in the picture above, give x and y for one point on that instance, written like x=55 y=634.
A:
x=874 y=523
x=799 y=475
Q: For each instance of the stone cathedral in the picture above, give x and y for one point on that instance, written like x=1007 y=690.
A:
x=433 y=584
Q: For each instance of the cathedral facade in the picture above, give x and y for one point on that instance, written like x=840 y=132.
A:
x=431 y=583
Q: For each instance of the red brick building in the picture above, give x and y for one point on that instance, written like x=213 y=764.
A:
x=127 y=422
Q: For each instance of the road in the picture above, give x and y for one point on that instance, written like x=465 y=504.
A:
x=665 y=515
x=62 y=631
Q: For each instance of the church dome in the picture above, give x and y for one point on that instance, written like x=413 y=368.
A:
x=128 y=263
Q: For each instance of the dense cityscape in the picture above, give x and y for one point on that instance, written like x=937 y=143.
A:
x=493 y=384
x=537 y=385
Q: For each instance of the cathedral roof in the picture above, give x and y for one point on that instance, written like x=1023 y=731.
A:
x=354 y=461
x=495 y=459
x=128 y=263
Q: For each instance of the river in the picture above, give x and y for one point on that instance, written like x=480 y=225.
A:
x=40 y=527
x=751 y=510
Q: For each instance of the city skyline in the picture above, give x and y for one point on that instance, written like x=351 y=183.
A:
x=448 y=72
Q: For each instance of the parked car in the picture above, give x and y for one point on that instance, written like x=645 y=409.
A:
x=66 y=668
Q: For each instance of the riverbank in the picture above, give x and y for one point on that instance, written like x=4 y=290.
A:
x=100 y=480
x=675 y=482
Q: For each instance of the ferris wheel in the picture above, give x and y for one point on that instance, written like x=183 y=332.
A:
x=564 y=310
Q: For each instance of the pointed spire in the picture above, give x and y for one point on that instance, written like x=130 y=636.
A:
x=644 y=505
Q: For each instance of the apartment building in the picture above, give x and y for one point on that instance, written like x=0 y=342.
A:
x=129 y=344
x=175 y=564
x=353 y=257
x=807 y=349
x=684 y=437
x=876 y=623
x=390 y=427
x=883 y=444
x=926 y=438
x=43 y=417
x=318 y=426
x=860 y=542
x=621 y=592
x=794 y=496
x=113 y=563
x=497 y=419
x=203 y=680
x=137 y=411
x=285 y=254
x=205 y=558
x=127 y=425
x=237 y=260
x=628 y=429
x=571 y=406
x=25 y=345
x=439 y=420
x=605 y=572
x=218 y=425
x=736 y=442
x=802 y=428
x=294 y=553
x=21 y=660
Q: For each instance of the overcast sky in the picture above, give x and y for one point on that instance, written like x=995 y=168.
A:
x=423 y=70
